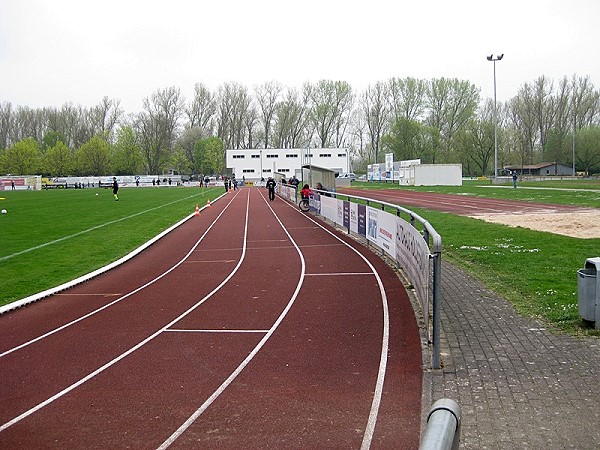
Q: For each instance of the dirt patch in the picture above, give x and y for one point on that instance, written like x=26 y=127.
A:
x=583 y=225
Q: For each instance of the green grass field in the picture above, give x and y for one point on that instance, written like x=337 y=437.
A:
x=51 y=237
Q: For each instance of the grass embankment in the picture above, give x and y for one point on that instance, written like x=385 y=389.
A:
x=535 y=271
x=51 y=237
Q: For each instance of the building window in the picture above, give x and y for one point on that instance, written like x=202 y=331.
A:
x=255 y=156
x=248 y=170
x=272 y=156
x=283 y=170
x=239 y=156
x=341 y=155
x=292 y=155
x=266 y=170
x=325 y=155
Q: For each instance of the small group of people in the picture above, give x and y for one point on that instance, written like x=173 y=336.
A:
x=305 y=192
x=230 y=183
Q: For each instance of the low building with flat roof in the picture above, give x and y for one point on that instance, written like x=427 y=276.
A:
x=254 y=164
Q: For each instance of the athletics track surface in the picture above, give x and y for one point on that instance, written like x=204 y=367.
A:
x=251 y=326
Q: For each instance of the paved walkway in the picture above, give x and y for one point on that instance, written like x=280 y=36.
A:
x=519 y=385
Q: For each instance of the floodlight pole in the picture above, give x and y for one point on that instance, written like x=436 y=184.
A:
x=494 y=59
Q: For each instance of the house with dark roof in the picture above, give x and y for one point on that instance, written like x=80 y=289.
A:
x=546 y=169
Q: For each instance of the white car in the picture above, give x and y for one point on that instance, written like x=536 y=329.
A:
x=347 y=175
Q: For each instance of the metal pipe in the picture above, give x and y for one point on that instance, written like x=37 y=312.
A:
x=443 y=426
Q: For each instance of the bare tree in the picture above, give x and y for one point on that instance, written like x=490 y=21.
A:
x=267 y=96
x=585 y=102
x=477 y=140
x=234 y=115
x=375 y=108
x=26 y=123
x=451 y=104
x=104 y=117
x=201 y=110
x=291 y=119
x=157 y=127
x=6 y=119
x=524 y=124
x=331 y=102
x=407 y=98
x=544 y=108
x=359 y=138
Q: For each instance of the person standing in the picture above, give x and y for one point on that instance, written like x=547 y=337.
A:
x=271 y=188
x=115 y=187
x=514 y=177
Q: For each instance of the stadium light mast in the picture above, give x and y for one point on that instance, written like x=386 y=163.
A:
x=494 y=59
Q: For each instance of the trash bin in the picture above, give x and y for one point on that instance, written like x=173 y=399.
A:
x=589 y=291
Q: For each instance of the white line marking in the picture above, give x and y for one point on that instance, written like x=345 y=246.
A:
x=35 y=297
x=51 y=332
x=79 y=233
x=137 y=346
x=249 y=358
x=336 y=274
x=370 y=427
x=176 y=330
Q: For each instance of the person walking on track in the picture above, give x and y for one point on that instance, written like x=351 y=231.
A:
x=271 y=188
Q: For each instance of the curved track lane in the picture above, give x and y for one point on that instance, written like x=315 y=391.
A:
x=252 y=326
x=465 y=205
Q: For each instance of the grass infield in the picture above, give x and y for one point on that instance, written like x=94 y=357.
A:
x=50 y=237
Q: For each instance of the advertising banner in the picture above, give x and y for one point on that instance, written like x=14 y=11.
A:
x=358 y=218
x=382 y=230
x=329 y=209
x=412 y=255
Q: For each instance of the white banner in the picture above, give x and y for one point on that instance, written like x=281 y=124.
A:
x=412 y=255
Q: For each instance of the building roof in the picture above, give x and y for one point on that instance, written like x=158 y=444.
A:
x=534 y=166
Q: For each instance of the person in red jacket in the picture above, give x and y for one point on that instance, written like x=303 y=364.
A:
x=305 y=192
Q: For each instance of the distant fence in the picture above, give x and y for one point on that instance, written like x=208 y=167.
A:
x=412 y=243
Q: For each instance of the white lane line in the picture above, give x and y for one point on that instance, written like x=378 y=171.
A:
x=338 y=274
x=69 y=284
x=372 y=421
x=135 y=347
x=108 y=305
x=79 y=233
x=249 y=358
x=177 y=330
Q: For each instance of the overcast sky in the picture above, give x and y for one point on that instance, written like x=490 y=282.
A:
x=59 y=51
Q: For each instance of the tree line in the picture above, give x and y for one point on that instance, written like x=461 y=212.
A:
x=439 y=121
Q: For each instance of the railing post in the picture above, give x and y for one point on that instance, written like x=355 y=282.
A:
x=437 y=319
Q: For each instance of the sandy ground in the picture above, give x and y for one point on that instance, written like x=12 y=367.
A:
x=584 y=225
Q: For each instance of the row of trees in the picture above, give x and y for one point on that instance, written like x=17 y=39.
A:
x=440 y=121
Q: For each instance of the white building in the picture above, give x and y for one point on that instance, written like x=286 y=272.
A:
x=254 y=164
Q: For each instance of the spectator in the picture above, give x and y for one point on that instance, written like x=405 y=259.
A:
x=323 y=190
x=305 y=192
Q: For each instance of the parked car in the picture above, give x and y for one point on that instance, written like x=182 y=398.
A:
x=348 y=175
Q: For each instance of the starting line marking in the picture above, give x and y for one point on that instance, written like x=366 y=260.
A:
x=175 y=330
x=335 y=274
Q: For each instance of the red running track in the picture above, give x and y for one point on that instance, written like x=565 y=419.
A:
x=466 y=205
x=250 y=326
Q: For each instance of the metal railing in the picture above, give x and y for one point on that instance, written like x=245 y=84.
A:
x=443 y=426
x=434 y=242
